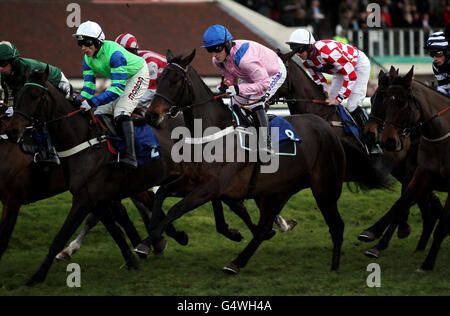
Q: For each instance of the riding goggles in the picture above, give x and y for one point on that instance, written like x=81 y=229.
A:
x=4 y=63
x=85 y=42
x=298 y=48
x=215 y=49
x=437 y=53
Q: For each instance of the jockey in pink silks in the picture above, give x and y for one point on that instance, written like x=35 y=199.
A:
x=251 y=71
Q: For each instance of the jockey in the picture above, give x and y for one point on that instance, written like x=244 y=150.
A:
x=13 y=77
x=437 y=47
x=129 y=81
x=251 y=71
x=349 y=66
x=155 y=63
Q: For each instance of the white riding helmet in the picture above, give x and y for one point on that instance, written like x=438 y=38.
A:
x=89 y=29
x=301 y=36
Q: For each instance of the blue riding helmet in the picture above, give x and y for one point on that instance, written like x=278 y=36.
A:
x=216 y=35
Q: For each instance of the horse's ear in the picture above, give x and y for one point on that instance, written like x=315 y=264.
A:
x=408 y=77
x=187 y=60
x=169 y=55
x=46 y=73
x=381 y=74
x=392 y=71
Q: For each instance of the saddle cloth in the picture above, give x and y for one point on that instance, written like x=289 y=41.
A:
x=147 y=145
x=350 y=127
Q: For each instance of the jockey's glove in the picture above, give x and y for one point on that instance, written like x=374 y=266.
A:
x=84 y=103
x=232 y=90
x=9 y=111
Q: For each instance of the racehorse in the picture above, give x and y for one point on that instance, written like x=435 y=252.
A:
x=94 y=184
x=319 y=163
x=404 y=160
x=24 y=182
x=303 y=95
x=410 y=106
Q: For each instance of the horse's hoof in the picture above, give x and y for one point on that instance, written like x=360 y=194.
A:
x=403 y=232
x=373 y=253
x=291 y=223
x=142 y=248
x=231 y=268
x=160 y=246
x=420 y=270
x=235 y=235
x=63 y=256
x=366 y=236
x=182 y=238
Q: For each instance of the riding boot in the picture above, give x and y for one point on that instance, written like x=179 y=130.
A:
x=48 y=154
x=265 y=142
x=128 y=156
x=361 y=119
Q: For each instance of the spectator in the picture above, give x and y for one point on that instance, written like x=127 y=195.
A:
x=417 y=20
x=317 y=17
x=447 y=14
x=386 y=20
x=426 y=21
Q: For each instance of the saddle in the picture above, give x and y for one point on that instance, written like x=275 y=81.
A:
x=146 y=143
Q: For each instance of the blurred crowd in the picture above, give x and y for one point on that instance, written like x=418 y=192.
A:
x=351 y=14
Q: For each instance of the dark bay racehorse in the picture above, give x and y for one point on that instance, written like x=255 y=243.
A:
x=303 y=96
x=94 y=184
x=404 y=161
x=319 y=163
x=410 y=106
x=23 y=182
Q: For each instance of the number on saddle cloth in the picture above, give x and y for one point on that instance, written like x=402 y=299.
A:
x=146 y=143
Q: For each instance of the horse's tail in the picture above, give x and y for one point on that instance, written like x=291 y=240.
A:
x=363 y=170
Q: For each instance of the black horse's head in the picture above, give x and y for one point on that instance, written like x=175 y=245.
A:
x=173 y=91
x=401 y=111
x=31 y=104
x=375 y=124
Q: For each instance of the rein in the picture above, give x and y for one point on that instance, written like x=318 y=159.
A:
x=407 y=130
x=80 y=147
x=175 y=110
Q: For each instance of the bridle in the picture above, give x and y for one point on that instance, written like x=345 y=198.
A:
x=43 y=101
x=409 y=128
x=174 y=110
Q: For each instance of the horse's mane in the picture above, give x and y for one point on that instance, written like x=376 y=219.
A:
x=430 y=88
x=314 y=84
x=177 y=59
x=399 y=80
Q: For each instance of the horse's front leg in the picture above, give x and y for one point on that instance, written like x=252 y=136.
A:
x=178 y=185
x=67 y=253
x=11 y=207
x=202 y=194
x=441 y=231
x=77 y=214
x=417 y=189
x=221 y=225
